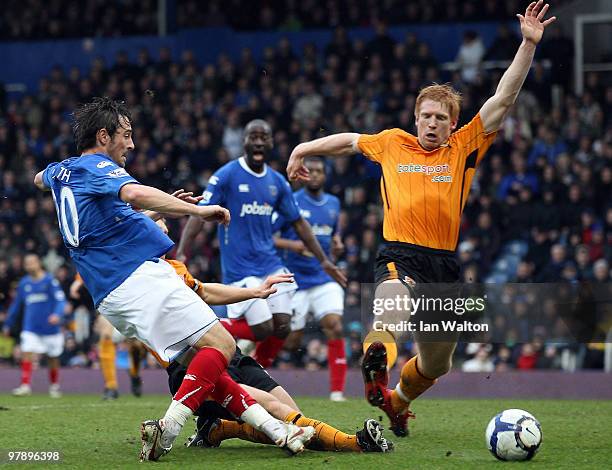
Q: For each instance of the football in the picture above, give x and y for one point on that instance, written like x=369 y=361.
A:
x=514 y=435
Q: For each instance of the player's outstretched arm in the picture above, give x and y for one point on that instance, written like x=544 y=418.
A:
x=494 y=110
x=336 y=145
x=180 y=194
x=147 y=197
x=304 y=231
x=220 y=294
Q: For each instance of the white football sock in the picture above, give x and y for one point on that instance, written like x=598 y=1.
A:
x=260 y=419
x=173 y=421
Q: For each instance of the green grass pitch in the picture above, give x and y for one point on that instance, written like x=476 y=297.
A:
x=446 y=434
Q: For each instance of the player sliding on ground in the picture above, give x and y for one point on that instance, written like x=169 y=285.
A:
x=116 y=250
x=216 y=423
x=425 y=184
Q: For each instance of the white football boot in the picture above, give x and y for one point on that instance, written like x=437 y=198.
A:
x=54 y=391
x=24 y=390
x=151 y=435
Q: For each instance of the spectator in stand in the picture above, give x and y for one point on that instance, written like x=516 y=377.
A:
x=180 y=141
x=528 y=358
x=601 y=271
x=470 y=56
x=552 y=271
x=479 y=363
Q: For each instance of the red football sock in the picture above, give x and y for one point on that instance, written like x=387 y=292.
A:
x=26 y=372
x=202 y=374
x=231 y=395
x=336 y=361
x=266 y=350
x=53 y=375
x=238 y=328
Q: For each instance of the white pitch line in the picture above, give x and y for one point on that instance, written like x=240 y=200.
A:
x=87 y=405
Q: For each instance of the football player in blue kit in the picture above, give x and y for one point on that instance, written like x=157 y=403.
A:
x=253 y=191
x=43 y=302
x=317 y=292
x=117 y=252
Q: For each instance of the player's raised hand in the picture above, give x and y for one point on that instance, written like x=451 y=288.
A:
x=187 y=196
x=296 y=170
x=266 y=289
x=532 y=24
x=215 y=214
x=335 y=272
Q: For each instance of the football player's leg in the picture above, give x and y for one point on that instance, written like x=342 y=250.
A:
x=435 y=348
x=137 y=353
x=32 y=345
x=279 y=307
x=388 y=313
x=258 y=317
x=107 y=354
x=29 y=344
x=326 y=437
x=300 y=307
x=54 y=348
x=327 y=303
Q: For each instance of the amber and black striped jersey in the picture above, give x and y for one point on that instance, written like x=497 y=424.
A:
x=424 y=192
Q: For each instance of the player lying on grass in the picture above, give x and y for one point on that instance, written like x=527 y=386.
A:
x=425 y=183
x=216 y=423
x=116 y=250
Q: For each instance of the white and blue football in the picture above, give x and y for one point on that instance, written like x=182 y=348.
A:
x=514 y=435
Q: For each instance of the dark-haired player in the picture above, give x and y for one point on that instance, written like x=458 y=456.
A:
x=253 y=191
x=42 y=300
x=117 y=252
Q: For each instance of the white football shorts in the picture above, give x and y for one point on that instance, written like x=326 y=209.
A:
x=318 y=300
x=256 y=311
x=155 y=306
x=51 y=345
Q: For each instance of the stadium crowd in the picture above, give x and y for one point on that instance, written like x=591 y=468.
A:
x=545 y=182
x=37 y=20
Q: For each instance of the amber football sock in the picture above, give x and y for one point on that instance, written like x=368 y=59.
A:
x=412 y=384
x=107 y=363
x=326 y=437
x=135 y=360
x=234 y=430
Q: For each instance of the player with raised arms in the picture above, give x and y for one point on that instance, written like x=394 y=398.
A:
x=117 y=252
x=317 y=292
x=424 y=186
x=42 y=300
x=253 y=191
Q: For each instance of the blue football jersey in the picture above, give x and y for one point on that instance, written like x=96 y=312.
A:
x=247 y=246
x=106 y=238
x=39 y=299
x=323 y=217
